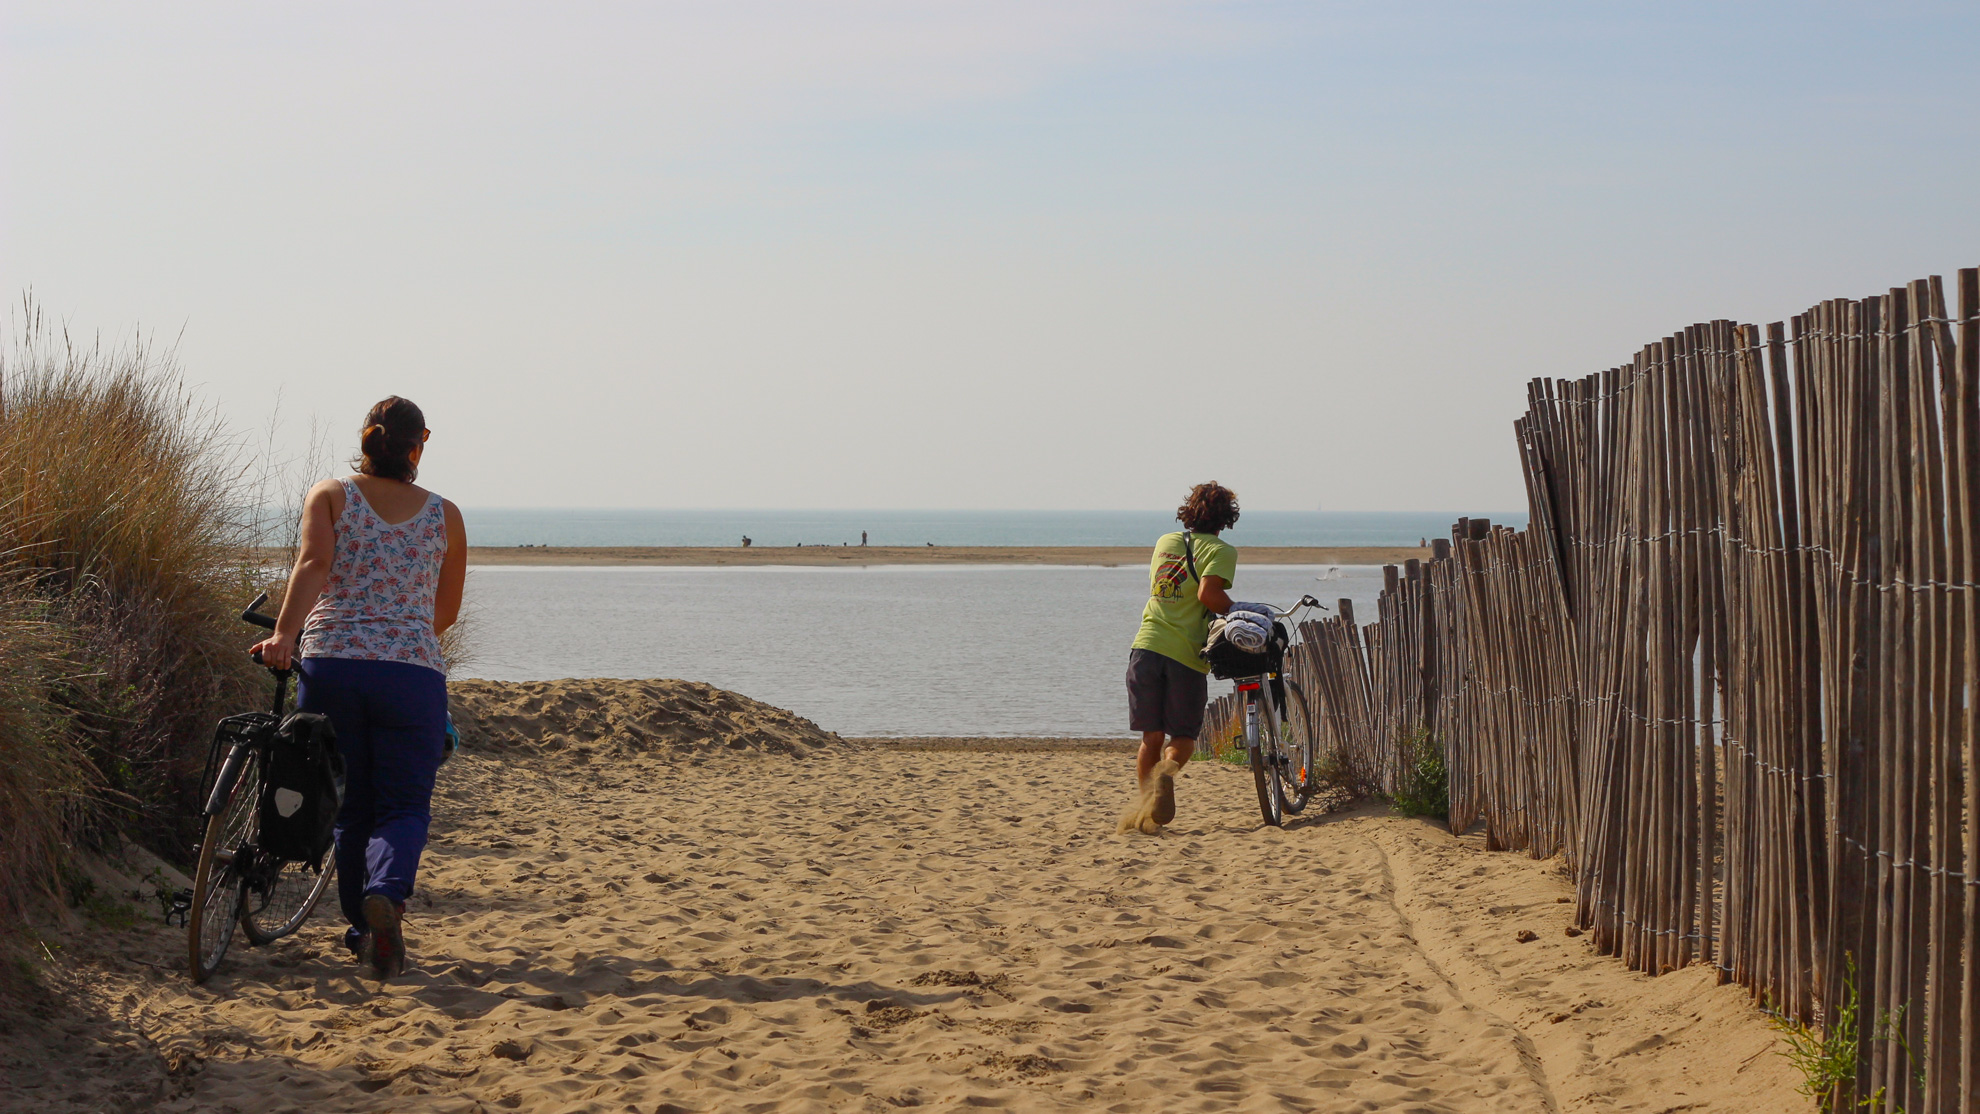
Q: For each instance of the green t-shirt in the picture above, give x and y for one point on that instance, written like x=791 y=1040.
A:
x=1175 y=623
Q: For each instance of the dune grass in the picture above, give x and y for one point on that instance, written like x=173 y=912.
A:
x=122 y=562
x=43 y=774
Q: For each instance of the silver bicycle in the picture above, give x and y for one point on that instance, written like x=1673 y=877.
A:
x=1279 y=740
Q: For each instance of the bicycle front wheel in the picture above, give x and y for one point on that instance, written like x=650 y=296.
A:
x=1299 y=751
x=223 y=858
x=279 y=897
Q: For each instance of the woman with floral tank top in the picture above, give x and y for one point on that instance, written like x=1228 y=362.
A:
x=377 y=579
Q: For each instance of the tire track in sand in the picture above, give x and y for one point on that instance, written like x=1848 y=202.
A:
x=1529 y=1055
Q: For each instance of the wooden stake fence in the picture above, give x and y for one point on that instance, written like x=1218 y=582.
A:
x=1729 y=673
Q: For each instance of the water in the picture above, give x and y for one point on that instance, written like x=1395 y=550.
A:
x=892 y=650
x=509 y=526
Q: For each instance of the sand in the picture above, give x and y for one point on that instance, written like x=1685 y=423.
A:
x=598 y=716
x=922 y=555
x=813 y=924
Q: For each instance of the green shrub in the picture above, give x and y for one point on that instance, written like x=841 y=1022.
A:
x=1422 y=779
x=1825 y=1057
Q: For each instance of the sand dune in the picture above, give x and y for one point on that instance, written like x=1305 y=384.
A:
x=603 y=716
x=870 y=929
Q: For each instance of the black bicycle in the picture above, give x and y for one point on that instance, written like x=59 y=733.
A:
x=237 y=882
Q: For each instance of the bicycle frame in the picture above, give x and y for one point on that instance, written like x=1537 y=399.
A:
x=1263 y=744
x=1258 y=693
x=245 y=733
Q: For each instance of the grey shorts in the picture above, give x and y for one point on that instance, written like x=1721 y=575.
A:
x=1165 y=695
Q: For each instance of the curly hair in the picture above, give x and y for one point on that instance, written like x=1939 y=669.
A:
x=1210 y=508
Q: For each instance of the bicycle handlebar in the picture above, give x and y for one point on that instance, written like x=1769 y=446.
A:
x=253 y=613
x=1304 y=601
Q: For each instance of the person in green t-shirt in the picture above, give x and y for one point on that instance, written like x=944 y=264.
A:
x=1189 y=577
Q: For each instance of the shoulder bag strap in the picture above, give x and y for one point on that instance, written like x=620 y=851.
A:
x=1189 y=556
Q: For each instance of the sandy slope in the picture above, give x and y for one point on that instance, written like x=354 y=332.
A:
x=609 y=717
x=872 y=930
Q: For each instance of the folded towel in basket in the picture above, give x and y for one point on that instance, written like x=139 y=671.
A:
x=1244 y=630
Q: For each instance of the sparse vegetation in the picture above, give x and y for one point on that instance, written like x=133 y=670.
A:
x=1228 y=746
x=1423 y=780
x=1334 y=779
x=1825 y=1056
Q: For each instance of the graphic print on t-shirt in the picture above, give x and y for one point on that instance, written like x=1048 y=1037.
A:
x=1171 y=577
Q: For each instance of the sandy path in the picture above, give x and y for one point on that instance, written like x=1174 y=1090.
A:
x=875 y=931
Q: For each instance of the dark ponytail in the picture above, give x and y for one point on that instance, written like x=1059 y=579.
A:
x=393 y=431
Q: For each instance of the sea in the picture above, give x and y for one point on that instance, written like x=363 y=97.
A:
x=878 y=651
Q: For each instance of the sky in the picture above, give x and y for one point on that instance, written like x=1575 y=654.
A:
x=1021 y=254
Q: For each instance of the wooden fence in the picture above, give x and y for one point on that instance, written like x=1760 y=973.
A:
x=1728 y=673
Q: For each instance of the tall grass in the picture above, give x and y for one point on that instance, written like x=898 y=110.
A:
x=122 y=549
x=43 y=775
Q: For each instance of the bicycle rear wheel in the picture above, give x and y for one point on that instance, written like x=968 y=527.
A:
x=1298 y=751
x=278 y=898
x=223 y=854
x=1259 y=749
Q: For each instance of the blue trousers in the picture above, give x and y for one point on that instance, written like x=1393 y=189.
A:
x=391 y=720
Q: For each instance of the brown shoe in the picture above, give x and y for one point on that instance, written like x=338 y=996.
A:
x=1165 y=790
x=384 y=944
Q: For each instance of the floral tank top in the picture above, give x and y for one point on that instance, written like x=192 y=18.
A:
x=378 y=603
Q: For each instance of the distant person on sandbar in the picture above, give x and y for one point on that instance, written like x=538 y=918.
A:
x=1167 y=679
x=378 y=578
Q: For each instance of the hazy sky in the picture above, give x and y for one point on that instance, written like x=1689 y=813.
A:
x=1014 y=254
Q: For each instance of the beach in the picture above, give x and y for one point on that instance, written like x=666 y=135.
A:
x=911 y=555
x=645 y=896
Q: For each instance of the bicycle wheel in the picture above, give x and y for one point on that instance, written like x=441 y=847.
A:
x=218 y=882
x=1298 y=751
x=279 y=897
x=1258 y=749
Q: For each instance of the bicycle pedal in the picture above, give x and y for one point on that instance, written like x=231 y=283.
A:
x=175 y=903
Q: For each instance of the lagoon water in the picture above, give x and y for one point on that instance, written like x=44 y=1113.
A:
x=879 y=651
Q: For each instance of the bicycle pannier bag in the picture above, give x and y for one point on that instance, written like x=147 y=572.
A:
x=305 y=789
x=1227 y=661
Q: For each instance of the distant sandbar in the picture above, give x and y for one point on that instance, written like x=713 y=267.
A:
x=917 y=555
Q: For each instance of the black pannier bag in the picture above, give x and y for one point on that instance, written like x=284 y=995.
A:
x=1228 y=661
x=305 y=789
